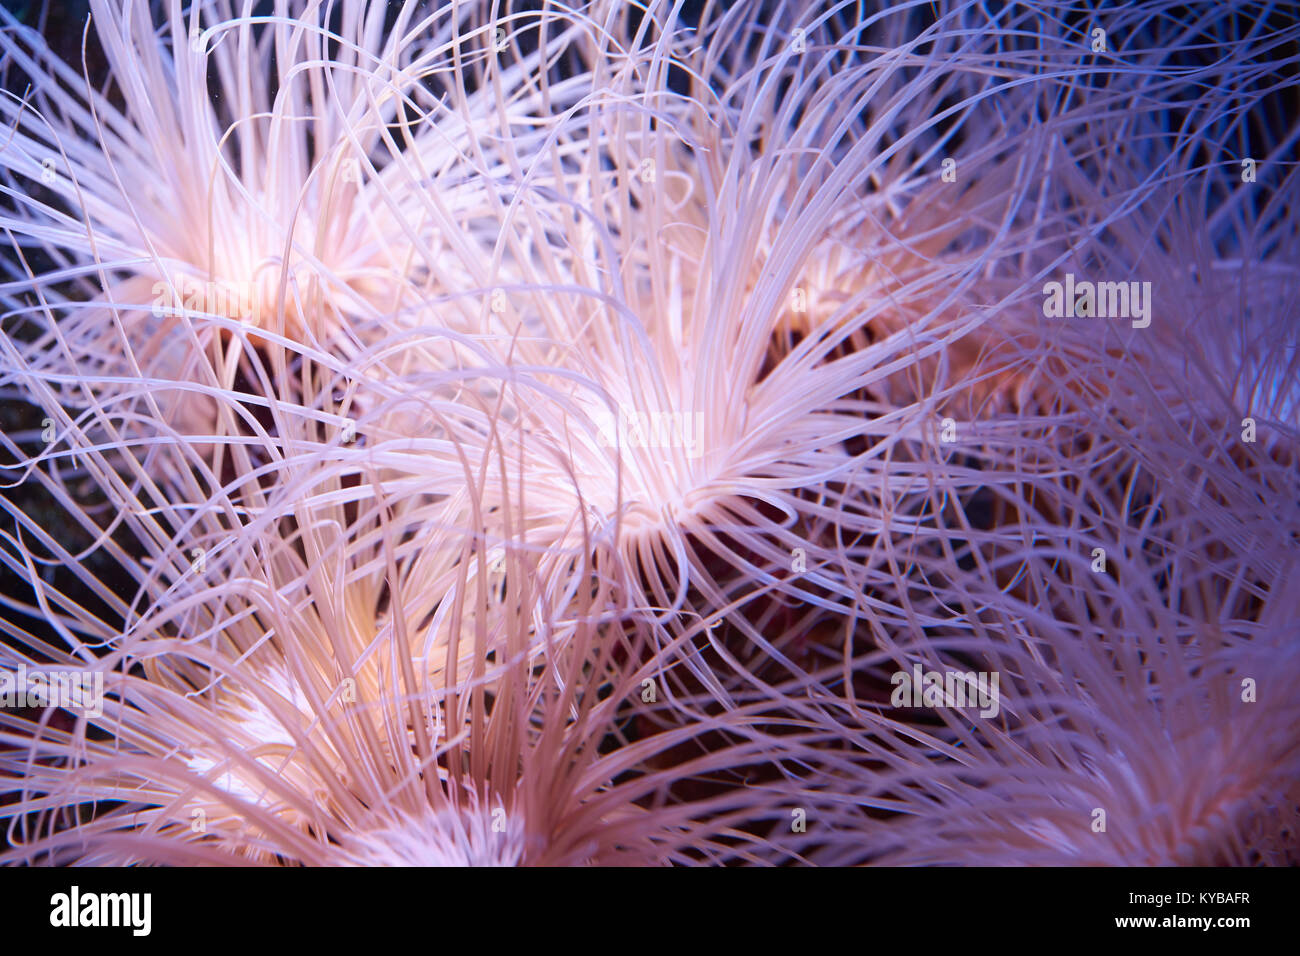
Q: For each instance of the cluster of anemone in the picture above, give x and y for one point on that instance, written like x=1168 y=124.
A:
x=466 y=434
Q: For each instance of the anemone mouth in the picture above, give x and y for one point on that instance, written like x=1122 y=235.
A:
x=477 y=833
x=640 y=519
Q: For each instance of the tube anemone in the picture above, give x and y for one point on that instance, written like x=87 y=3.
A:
x=1127 y=692
x=646 y=398
x=264 y=740
x=201 y=230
